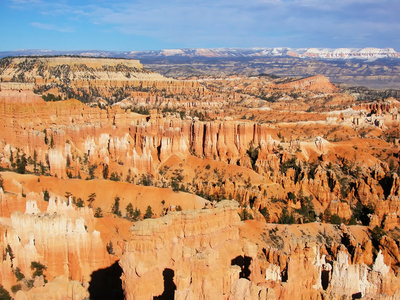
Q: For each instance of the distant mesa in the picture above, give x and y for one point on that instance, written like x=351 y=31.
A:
x=66 y=77
x=317 y=83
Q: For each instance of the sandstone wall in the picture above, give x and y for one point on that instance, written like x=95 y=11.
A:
x=188 y=254
x=205 y=255
x=62 y=239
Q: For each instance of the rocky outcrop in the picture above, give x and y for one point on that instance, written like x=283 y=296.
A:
x=315 y=83
x=90 y=78
x=188 y=254
x=62 y=239
x=19 y=96
x=390 y=106
x=60 y=288
x=180 y=255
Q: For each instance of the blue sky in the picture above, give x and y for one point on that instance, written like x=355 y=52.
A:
x=123 y=25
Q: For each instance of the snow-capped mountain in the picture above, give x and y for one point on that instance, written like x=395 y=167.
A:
x=322 y=53
x=339 y=53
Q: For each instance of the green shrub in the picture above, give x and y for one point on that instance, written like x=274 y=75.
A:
x=15 y=288
x=264 y=211
x=80 y=203
x=115 y=208
x=105 y=171
x=18 y=274
x=335 y=219
x=91 y=199
x=131 y=213
x=377 y=233
x=4 y=294
x=38 y=268
x=286 y=218
x=245 y=215
x=252 y=152
x=115 y=177
x=50 y=97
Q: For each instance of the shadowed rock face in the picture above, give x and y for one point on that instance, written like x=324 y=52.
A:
x=106 y=283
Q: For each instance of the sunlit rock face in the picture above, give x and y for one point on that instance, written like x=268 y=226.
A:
x=58 y=238
x=200 y=254
x=187 y=254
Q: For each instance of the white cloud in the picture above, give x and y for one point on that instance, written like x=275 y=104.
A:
x=51 y=27
x=237 y=22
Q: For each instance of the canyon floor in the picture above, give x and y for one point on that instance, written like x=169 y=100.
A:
x=120 y=183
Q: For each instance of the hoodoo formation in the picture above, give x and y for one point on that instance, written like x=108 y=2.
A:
x=117 y=182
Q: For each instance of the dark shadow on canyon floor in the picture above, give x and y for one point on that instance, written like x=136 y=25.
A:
x=243 y=262
x=106 y=284
x=169 y=286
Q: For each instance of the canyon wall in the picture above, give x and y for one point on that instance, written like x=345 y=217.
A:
x=68 y=138
x=186 y=254
x=204 y=254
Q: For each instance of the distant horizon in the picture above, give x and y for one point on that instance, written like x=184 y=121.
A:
x=194 y=48
x=138 y=25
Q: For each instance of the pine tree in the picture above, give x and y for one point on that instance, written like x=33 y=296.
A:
x=115 y=208
x=105 y=171
x=98 y=213
x=149 y=213
x=129 y=210
x=91 y=198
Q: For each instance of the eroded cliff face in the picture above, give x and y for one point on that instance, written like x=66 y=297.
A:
x=89 y=79
x=62 y=239
x=210 y=254
x=315 y=83
x=70 y=139
x=187 y=254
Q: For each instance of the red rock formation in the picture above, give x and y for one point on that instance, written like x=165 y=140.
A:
x=390 y=106
x=59 y=239
x=72 y=133
x=182 y=248
x=315 y=83
x=59 y=289
x=197 y=252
